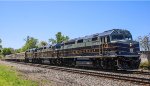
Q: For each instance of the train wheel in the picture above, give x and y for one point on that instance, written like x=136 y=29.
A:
x=94 y=63
x=73 y=64
x=104 y=64
x=58 y=62
x=26 y=60
x=50 y=61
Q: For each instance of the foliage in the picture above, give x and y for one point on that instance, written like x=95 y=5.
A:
x=7 y=51
x=145 y=42
x=1 y=56
x=18 y=50
x=0 y=49
x=145 y=65
x=0 y=44
x=9 y=77
x=59 y=38
x=42 y=44
x=52 y=41
x=30 y=43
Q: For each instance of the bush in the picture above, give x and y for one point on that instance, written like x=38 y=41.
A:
x=145 y=65
x=1 y=56
x=7 y=51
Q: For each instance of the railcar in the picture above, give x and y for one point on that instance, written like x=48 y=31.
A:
x=15 y=57
x=112 y=49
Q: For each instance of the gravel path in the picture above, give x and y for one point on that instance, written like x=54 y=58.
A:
x=49 y=77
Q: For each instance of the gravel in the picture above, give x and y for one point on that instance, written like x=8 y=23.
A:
x=50 y=77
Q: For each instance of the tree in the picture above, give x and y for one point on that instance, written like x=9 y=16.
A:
x=27 y=39
x=7 y=51
x=42 y=44
x=52 y=41
x=59 y=38
x=0 y=44
x=145 y=42
x=1 y=56
x=30 y=43
x=18 y=50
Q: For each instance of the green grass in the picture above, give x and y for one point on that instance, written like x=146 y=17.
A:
x=9 y=77
x=145 y=65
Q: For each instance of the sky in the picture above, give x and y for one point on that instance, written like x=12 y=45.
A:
x=43 y=19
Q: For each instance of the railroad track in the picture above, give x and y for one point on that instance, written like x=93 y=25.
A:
x=116 y=76
x=139 y=72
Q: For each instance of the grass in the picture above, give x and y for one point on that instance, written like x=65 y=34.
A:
x=9 y=77
x=145 y=65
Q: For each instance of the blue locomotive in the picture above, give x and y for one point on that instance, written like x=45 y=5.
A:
x=112 y=49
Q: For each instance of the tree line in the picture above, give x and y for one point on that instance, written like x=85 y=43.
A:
x=31 y=42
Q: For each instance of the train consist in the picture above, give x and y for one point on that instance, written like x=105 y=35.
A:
x=112 y=49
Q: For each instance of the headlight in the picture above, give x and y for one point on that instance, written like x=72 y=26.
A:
x=130 y=44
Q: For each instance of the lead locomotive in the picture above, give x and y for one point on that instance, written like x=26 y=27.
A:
x=112 y=49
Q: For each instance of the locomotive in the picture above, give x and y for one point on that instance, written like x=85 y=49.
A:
x=112 y=49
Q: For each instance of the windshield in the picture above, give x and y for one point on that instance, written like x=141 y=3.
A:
x=121 y=37
x=117 y=37
x=128 y=37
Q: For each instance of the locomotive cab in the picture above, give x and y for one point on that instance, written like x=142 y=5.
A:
x=126 y=50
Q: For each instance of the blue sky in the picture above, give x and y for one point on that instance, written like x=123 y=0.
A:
x=43 y=20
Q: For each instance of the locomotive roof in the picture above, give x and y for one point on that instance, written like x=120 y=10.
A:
x=105 y=33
